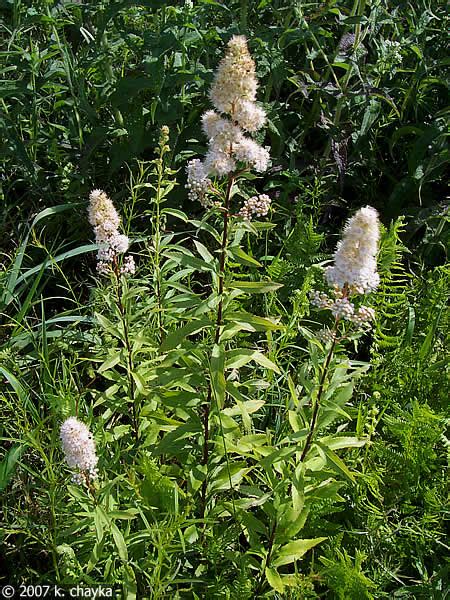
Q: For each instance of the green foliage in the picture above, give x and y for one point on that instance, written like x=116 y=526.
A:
x=345 y=578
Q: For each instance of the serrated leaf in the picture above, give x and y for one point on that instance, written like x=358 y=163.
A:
x=293 y=551
x=274 y=579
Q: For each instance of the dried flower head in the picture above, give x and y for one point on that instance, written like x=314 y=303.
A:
x=79 y=449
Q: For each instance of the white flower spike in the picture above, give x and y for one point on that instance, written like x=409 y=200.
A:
x=233 y=95
x=104 y=219
x=79 y=449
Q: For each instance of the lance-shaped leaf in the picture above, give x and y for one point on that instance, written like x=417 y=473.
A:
x=335 y=462
x=242 y=356
x=255 y=287
x=242 y=257
x=274 y=579
x=176 y=337
x=228 y=476
x=8 y=464
x=218 y=374
x=293 y=551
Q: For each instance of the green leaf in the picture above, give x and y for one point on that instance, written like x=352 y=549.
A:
x=204 y=253
x=100 y=521
x=108 y=326
x=251 y=322
x=242 y=356
x=242 y=257
x=293 y=551
x=120 y=543
x=175 y=338
x=52 y=210
x=292 y=521
x=218 y=374
x=197 y=476
x=173 y=442
x=228 y=476
x=129 y=583
x=274 y=579
x=50 y=261
x=21 y=393
x=355 y=20
x=335 y=462
x=196 y=264
x=175 y=213
x=140 y=383
x=202 y=225
x=110 y=362
x=427 y=343
x=8 y=464
x=255 y=287
x=336 y=443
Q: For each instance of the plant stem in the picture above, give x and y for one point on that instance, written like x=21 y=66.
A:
x=315 y=413
x=219 y=318
x=244 y=16
x=267 y=561
x=157 y=247
x=127 y=345
x=223 y=254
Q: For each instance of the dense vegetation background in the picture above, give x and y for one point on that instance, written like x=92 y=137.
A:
x=358 y=114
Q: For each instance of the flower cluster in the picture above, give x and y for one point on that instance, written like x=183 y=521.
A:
x=320 y=299
x=355 y=263
x=104 y=219
x=354 y=270
x=389 y=56
x=197 y=182
x=233 y=95
x=326 y=335
x=256 y=205
x=79 y=449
